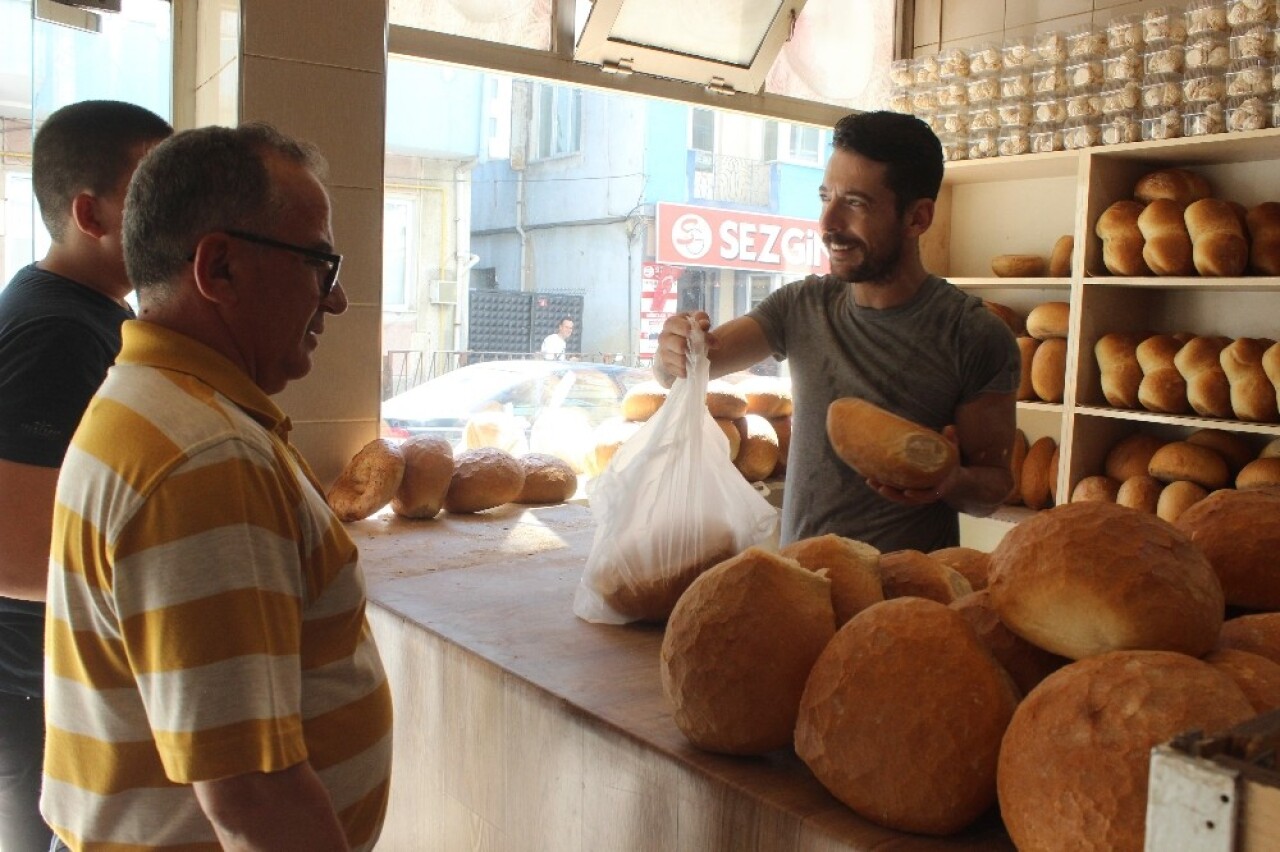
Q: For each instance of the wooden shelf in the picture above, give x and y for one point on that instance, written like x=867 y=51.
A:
x=1258 y=284
x=1190 y=421
x=1063 y=284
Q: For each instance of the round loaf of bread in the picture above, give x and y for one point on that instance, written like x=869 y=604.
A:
x=852 y=567
x=1016 y=463
x=1018 y=266
x=1258 y=634
x=1236 y=450
x=759 y=453
x=1131 y=455
x=428 y=470
x=1097 y=488
x=482 y=479
x=768 y=396
x=782 y=428
x=1257 y=677
x=1176 y=498
x=1075 y=759
x=915 y=753
x=1048 y=319
x=547 y=479
x=368 y=482
x=1193 y=462
x=1259 y=473
x=1025 y=663
x=1049 y=369
x=911 y=573
x=1177 y=185
x=887 y=448
x=1140 y=492
x=1087 y=578
x=1060 y=258
x=738 y=649
x=1027 y=354
x=733 y=431
x=971 y=563
x=725 y=400
x=608 y=437
x=1121 y=374
x=643 y=400
x=1036 y=490
x=1239 y=532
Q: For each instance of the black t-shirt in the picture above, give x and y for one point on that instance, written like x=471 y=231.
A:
x=57 y=339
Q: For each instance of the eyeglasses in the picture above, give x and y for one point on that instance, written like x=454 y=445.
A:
x=322 y=259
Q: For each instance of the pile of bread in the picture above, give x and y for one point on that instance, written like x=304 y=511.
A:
x=421 y=476
x=922 y=689
x=754 y=414
x=1213 y=376
x=1172 y=226
x=1167 y=477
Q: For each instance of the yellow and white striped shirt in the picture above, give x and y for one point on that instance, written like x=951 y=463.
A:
x=205 y=612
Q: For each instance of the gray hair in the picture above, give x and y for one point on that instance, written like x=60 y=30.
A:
x=198 y=182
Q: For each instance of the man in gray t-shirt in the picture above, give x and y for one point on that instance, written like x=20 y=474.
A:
x=881 y=328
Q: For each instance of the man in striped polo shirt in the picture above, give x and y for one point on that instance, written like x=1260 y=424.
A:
x=211 y=680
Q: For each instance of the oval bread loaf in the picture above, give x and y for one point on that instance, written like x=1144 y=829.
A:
x=547 y=479
x=1184 y=460
x=1235 y=449
x=725 y=400
x=482 y=479
x=1177 y=497
x=428 y=470
x=1218 y=244
x=1037 y=490
x=1239 y=533
x=1177 y=185
x=887 y=448
x=1131 y=456
x=1049 y=369
x=1259 y=473
x=1140 y=492
x=1060 y=258
x=1048 y=319
x=1018 y=266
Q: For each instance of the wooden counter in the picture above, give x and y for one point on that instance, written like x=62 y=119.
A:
x=521 y=727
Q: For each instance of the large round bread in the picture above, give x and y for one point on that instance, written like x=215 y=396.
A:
x=725 y=400
x=902 y=717
x=1074 y=762
x=1193 y=462
x=643 y=401
x=851 y=566
x=1087 y=578
x=758 y=453
x=1049 y=369
x=1257 y=677
x=890 y=449
x=368 y=482
x=1025 y=663
x=1258 y=634
x=911 y=573
x=1239 y=532
x=428 y=470
x=482 y=479
x=971 y=563
x=547 y=479
x=738 y=649
x=1048 y=319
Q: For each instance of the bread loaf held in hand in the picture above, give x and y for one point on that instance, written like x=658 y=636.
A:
x=887 y=448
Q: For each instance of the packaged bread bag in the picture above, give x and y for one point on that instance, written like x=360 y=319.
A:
x=669 y=506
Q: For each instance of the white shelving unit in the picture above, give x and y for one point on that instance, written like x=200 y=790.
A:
x=1023 y=204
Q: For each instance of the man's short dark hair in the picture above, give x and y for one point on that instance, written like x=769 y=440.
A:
x=90 y=146
x=904 y=143
x=201 y=181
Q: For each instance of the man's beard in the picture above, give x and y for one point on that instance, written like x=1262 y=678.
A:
x=874 y=269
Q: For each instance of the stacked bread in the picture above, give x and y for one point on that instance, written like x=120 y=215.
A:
x=421 y=476
x=754 y=414
x=1045 y=370
x=1173 y=226
x=1212 y=375
x=923 y=702
x=1166 y=477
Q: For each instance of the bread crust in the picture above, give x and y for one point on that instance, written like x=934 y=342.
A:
x=890 y=449
x=1257 y=677
x=1117 y=227
x=1025 y=663
x=1178 y=185
x=1098 y=488
x=1166 y=246
x=368 y=482
x=1208 y=391
x=1239 y=533
x=1176 y=497
x=1140 y=492
x=911 y=573
x=1259 y=473
x=1162 y=389
x=483 y=478
x=1131 y=455
x=1258 y=634
x=1049 y=369
x=1194 y=462
x=1018 y=266
x=971 y=563
x=547 y=479
x=1218 y=243
x=1117 y=356
x=1049 y=319
x=1253 y=396
x=852 y=567
x=428 y=470
x=1139 y=583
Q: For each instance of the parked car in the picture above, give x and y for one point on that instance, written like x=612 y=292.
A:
x=539 y=405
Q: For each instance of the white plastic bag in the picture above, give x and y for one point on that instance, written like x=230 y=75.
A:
x=669 y=505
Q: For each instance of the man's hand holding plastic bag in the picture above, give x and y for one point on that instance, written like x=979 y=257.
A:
x=669 y=506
